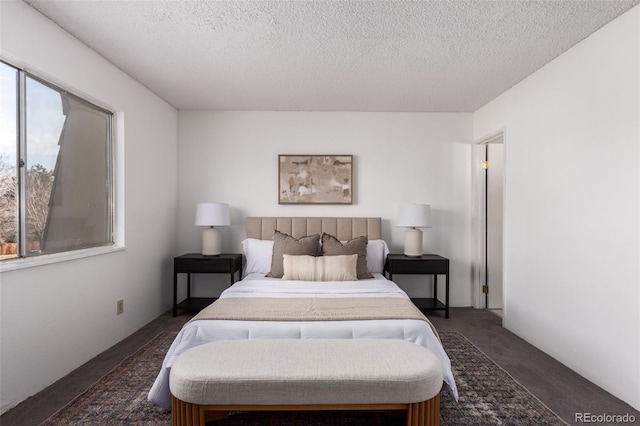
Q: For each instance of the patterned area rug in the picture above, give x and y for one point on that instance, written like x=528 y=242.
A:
x=488 y=396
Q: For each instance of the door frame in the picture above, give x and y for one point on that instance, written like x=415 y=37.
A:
x=479 y=220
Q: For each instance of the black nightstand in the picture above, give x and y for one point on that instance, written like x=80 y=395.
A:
x=427 y=264
x=195 y=263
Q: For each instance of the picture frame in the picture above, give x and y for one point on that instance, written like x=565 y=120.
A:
x=315 y=179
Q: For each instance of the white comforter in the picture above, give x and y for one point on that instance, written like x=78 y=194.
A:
x=200 y=332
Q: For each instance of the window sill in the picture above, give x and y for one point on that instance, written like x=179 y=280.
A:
x=46 y=259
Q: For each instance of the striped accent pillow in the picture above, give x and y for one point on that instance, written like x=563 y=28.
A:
x=321 y=268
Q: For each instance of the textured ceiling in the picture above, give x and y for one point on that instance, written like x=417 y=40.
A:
x=445 y=55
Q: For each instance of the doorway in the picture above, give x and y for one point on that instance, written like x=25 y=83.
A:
x=490 y=224
x=494 y=178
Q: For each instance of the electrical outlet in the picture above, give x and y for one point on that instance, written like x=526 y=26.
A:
x=120 y=307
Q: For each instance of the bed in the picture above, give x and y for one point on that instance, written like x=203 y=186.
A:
x=272 y=302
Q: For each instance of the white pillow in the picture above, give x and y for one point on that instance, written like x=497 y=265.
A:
x=320 y=268
x=377 y=252
x=258 y=254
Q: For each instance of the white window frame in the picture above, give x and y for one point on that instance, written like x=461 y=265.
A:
x=115 y=127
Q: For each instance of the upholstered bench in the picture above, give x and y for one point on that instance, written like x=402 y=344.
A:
x=279 y=375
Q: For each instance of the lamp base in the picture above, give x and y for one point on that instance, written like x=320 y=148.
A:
x=413 y=242
x=211 y=244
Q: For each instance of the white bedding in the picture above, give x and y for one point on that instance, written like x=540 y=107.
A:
x=256 y=285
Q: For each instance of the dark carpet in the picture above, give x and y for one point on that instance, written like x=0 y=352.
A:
x=488 y=396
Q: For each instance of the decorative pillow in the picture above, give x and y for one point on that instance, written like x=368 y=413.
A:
x=321 y=268
x=286 y=244
x=331 y=246
x=377 y=251
x=258 y=254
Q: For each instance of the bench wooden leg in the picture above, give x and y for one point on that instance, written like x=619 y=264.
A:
x=186 y=414
x=433 y=411
x=425 y=413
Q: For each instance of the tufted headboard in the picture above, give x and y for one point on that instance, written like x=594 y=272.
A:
x=343 y=228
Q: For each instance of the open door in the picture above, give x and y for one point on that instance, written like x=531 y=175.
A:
x=494 y=181
x=488 y=222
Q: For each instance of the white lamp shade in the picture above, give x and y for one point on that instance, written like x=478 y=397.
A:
x=414 y=216
x=212 y=214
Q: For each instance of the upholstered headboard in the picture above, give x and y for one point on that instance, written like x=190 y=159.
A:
x=343 y=228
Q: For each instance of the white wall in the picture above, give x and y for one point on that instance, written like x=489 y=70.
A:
x=56 y=317
x=572 y=241
x=398 y=158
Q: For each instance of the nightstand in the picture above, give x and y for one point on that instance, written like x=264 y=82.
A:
x=427 y=264
x=195 y=263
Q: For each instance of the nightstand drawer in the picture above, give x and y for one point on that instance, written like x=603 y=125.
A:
x=428 y=264
x=208 y=265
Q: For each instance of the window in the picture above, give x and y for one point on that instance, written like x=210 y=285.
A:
x=56 y=182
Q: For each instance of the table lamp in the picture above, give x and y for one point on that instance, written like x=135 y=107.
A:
x=212 y=214
x=414 y=216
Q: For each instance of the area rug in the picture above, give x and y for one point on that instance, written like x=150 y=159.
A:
x=488 y=396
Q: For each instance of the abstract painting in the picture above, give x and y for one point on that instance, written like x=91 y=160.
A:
x=315 y=179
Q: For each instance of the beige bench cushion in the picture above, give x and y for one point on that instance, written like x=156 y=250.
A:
x=299 y=372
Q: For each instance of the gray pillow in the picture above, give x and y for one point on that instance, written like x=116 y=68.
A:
x=286 y=244
x=331 y=246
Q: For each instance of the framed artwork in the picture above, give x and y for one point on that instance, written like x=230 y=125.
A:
x=315 y=179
